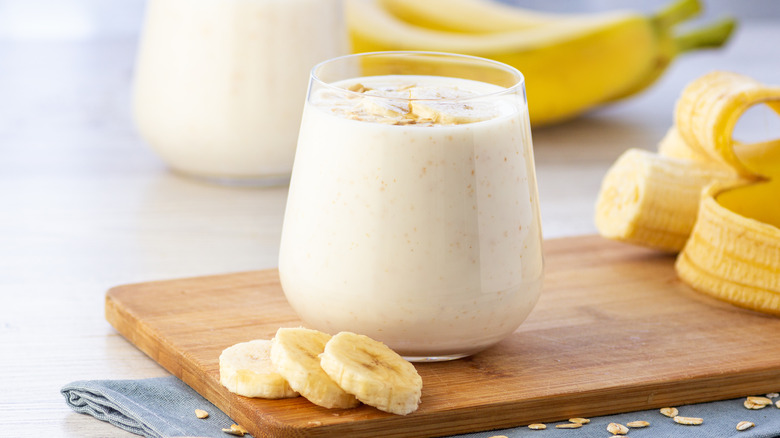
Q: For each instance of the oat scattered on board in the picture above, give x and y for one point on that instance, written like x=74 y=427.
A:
x=669 y=412
x=766 y=401
x=498 y=436
x=638 y=423
x=236 y=430
x=777 y=404
x=773 y=395
x=617 y=429
x=745 y=425
x=200 y=413
x=749 y=404
x=688 y=421
x=537 y=426
x=579 y=420
x=568 y=426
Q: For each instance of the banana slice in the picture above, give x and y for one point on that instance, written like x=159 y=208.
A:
x=246 y=369
x=294 y=353
x=442 y=106
x=451 y=113
x=385 y=108
x=374 y=373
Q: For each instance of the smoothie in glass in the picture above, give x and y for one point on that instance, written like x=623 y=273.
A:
x=413 y=214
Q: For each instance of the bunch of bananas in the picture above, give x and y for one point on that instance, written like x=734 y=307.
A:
x=712 y=199
x=571 y=62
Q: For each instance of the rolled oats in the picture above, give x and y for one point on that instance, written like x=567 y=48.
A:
x=568 y=426
x=200 y=413
x=669 y=412
x=744 y=425
x=617 y=429
x=688 y=421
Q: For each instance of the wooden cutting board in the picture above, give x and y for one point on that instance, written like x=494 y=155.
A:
x=615 y=331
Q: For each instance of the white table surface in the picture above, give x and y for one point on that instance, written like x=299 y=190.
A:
x=85 y=205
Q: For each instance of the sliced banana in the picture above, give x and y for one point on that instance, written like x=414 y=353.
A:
x=246 y=369
x=295 y=354
x=374 y=373
x=385 y=108
x=409 y=103
x=445 y=106
x=451 y=113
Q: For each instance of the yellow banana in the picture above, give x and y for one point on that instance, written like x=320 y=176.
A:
x=468 y=16
x=652 y=200
x=555 y=91
x=733 y=251
x=671 y=46
x=761 y=158
x=479 y=16
x=673 y=145
x=570 y=63
x=484 y=16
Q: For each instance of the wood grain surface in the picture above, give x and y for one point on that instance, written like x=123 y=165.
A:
x=615 y=331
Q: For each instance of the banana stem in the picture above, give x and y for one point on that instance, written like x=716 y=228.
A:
x=711 y=36
x=676 y=12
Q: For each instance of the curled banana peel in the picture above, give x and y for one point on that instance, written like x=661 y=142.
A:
x=571 y=62
x=708 y=111
x=731 y=256
x=724 y=216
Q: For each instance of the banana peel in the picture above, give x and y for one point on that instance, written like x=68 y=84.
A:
x=733 y=249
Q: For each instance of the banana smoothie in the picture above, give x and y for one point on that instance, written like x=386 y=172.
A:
x=220 y=84
x=413 y=215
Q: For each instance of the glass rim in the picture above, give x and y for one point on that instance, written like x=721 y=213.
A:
x=519 y=84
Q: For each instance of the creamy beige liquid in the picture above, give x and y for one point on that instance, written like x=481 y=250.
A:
x=220 y=84
x=424 y=235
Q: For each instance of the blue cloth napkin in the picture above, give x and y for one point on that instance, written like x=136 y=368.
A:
x=154 y=408
x=720 y=421
x=165 y=407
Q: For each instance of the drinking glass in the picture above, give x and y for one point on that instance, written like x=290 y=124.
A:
x=219 y=85
x=419 y=230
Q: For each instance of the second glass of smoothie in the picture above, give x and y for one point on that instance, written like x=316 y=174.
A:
x=413 y=213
